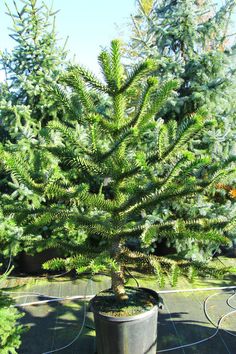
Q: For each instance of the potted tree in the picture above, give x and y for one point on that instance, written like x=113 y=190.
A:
x=107 y=179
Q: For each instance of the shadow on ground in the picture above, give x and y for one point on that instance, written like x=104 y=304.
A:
x=182 y=321
x=174 y=331
x=54 y=325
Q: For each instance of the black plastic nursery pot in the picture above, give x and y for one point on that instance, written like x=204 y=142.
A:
x=127 y=335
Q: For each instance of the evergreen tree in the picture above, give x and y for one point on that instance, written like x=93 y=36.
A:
x=104 y=181
x=34 y=63
x=25 y=107
x=194 y=42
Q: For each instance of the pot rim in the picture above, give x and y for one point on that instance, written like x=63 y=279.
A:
x=142 y=315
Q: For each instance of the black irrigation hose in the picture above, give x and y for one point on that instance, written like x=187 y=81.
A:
x=132 y=276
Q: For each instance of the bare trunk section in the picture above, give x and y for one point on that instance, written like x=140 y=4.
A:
x=117 y=276
x=117 y=284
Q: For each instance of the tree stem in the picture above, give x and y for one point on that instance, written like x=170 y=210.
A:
x=117 y=284
x=117 y=276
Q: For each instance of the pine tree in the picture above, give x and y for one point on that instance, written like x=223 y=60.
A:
x=35 y=62
x=104 y=181
x=193 y=41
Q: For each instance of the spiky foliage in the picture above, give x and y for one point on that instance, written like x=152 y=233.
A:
x=104 y=184
x=10 y=330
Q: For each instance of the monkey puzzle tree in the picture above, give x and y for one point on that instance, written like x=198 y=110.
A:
x=105 y=178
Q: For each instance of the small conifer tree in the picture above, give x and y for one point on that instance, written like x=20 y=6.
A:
x=10 y=330
x=104 y=180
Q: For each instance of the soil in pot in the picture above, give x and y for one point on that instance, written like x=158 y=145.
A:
x=138 y=302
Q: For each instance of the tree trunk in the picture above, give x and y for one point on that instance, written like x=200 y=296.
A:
x=117 y=284
x=117 y=276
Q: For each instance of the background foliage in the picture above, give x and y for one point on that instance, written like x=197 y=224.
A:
x=25 y=106
x=193 y=41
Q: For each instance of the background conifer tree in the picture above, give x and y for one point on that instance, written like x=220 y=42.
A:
x=34 y=62
x=104 y=181
x=193 y=41
x=25 y=107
